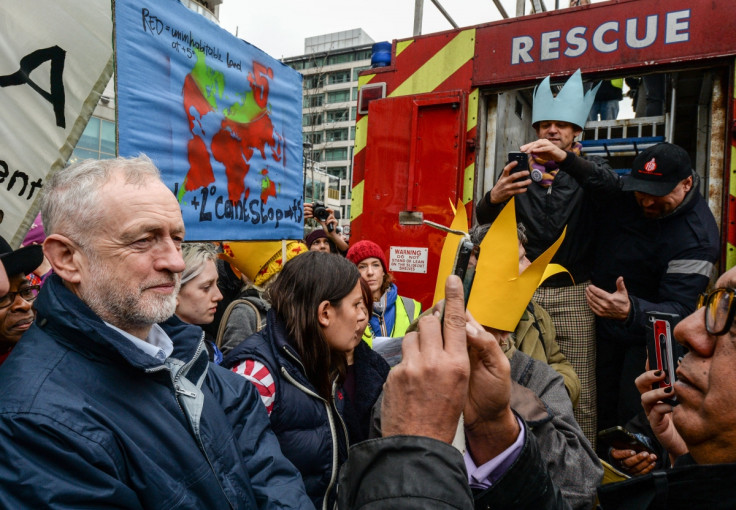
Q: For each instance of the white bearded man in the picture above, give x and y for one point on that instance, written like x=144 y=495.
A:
x=101 y=405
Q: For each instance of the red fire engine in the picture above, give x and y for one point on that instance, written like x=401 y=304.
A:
x=435 y=125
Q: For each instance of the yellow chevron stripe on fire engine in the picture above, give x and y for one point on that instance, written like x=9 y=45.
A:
x=732 y=181
x=473 y=109
x=440 y=67
x=361 y=134
x=472 y=122
x=468 y=180
x=402 y=45
x=362 y=80
x=356 y=200
x=730 y=248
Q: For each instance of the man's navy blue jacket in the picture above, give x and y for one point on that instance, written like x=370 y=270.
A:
x=666 y=262
x=89 y=421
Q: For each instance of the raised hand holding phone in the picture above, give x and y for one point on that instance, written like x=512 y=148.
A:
x=662 y=352
x=514 y=179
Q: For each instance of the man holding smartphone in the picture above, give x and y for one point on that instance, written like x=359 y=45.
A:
x=546 y=202
x=657 y=241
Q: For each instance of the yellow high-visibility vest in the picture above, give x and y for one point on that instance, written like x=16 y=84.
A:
x=407 y=311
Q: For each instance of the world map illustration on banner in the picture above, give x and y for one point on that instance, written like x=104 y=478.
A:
x=246 y=127
x=226 y=129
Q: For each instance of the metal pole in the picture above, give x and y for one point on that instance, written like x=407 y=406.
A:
x=444 y=13
x=500 y=8
x=418 y=14
x=671 y=134
x=307 y=146
x=538 y=6
x=313 y=187
x=520 y=7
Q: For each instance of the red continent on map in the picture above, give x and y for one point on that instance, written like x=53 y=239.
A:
x=200 y=169
x=233 y=146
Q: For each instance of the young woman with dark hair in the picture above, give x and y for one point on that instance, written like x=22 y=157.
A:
x=298 y=365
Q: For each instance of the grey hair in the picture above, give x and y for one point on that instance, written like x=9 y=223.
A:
x=196 y=256
x=478 y=232
x=70 y=205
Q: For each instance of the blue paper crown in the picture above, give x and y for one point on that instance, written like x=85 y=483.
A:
x=570 y=105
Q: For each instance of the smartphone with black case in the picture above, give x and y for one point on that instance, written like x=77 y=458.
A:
x=522 y=161
x=465 y=250
x=460 y=268
x=663 y=353
x=621 y=439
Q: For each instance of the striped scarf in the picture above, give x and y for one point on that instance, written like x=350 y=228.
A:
x=544 y=171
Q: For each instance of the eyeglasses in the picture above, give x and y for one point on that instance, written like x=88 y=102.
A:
x=29 y=294
x=720 y=309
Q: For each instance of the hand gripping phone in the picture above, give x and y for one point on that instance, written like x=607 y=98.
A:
x=663 y=354
x=465 y=250
x=621 y=439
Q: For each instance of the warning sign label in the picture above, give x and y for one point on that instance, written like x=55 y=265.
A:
x=408 y=260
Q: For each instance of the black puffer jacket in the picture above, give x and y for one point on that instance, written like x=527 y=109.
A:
x=310 y=430
x=546 y=211
x=371 y=371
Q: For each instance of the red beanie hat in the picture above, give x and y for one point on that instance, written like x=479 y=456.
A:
x=364 y=250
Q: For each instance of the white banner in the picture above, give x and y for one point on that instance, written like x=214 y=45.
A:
x=55 y=60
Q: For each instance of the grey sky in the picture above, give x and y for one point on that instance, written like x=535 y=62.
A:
x=279 y=27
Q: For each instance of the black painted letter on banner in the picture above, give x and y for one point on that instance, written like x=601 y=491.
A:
x=30 y=62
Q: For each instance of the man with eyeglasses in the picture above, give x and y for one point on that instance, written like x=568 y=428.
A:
x=16 y=315
x=699 y=433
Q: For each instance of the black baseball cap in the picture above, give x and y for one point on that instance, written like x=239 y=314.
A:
x=22 y=260
x=658 y=169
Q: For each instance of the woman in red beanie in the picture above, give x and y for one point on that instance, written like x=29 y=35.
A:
x=392 y=314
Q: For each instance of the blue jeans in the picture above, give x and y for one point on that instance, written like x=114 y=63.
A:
x=608 y=110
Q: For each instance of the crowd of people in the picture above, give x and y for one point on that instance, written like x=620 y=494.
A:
x=142 y=371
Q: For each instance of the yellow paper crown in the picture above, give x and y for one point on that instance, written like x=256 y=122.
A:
x=260 y=260
x=500 y=294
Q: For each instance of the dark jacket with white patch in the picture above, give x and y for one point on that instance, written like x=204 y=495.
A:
x=310 y=429
x=87 y=419
x=666 y=262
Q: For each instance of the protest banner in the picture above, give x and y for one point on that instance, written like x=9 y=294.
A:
x=219 y=117
x=55 y=60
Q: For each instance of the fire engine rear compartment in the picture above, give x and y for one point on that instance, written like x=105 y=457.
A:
x=694 y=117
x=448 y=108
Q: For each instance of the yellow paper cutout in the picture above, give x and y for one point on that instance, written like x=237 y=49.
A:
x=449 y=250
x=500 y=294
x=250 y=257
x=553 y=269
